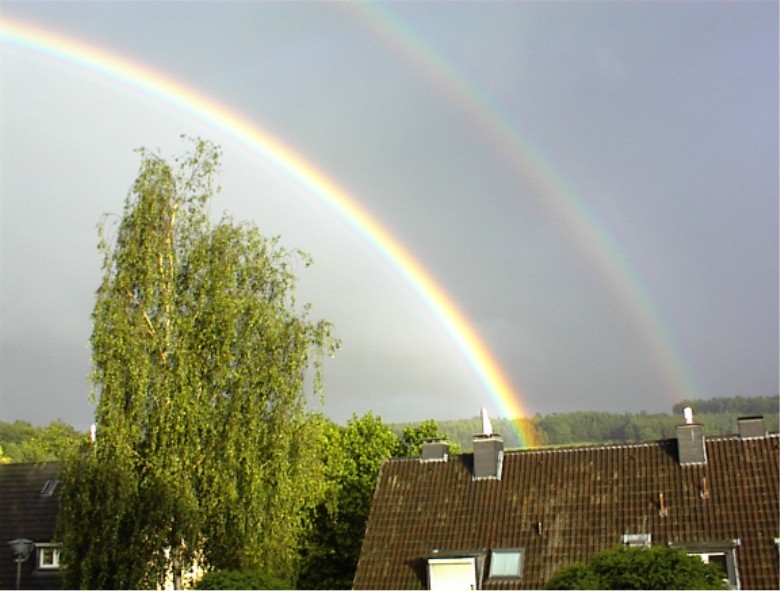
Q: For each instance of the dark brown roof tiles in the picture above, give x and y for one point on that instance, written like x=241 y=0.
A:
x=564 y=505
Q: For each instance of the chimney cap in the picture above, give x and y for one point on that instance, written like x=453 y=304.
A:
x=688 y=414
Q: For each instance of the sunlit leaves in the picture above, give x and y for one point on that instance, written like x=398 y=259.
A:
x=200 y=355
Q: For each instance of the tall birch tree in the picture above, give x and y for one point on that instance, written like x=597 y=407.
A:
x=204 y=450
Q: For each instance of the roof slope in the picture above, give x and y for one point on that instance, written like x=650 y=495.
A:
x=25 y=513
x=564 y=505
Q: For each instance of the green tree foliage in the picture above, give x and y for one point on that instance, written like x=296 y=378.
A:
x=353 y=456
x=24 y=442
x=741 y=405
x=414 y=436
x=459 y=433
x=237 y=579
x=204 y=451
x=657 y=567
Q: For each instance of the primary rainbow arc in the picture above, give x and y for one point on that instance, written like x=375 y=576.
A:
x=257 y=140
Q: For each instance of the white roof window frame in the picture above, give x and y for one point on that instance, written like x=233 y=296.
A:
x=49 y=487
x=637 y=540
x=506 y=563
x=454 y=571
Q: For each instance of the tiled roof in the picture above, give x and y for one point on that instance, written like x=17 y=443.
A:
x=25 y=513
x=564 y=505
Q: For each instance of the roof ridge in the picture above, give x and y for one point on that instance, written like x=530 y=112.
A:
x=598 y=446
x=633 y=444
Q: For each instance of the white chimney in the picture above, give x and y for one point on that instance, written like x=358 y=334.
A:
x=688 y=414
x=92 y=432
x=487 y=428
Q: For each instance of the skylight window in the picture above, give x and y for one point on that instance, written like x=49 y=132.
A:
x=49 y=487
x=506 y=563
x=637 y=540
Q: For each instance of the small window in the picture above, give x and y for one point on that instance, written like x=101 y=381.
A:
x=506 y=563
x=48 y=556
x=637 y=540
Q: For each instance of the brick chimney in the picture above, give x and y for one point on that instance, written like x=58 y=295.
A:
x=488 y=452
x=751 y=427
x=690 y=441
x=436 y=450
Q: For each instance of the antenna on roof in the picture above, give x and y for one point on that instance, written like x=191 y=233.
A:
x=688 y=414
x=487 y=428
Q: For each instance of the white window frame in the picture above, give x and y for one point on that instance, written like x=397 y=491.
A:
x=637 y=540
x=517 y=574
x=732 y=575
x=440 y=583
x=52 y=550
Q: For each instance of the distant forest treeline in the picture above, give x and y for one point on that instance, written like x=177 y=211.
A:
x=22 y=442
x=717 y=415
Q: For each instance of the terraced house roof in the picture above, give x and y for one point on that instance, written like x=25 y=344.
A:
x=548 y=508
x=29 y=502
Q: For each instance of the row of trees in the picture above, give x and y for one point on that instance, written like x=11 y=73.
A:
x=718 y=416
x=23 y=442
x=740 y=405
x=20 y=441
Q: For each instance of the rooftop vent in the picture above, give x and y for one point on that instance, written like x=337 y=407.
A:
x=751 y=427
x=690 y=441
x=488 y=451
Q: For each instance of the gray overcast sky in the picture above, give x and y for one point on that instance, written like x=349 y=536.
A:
x=594 y=184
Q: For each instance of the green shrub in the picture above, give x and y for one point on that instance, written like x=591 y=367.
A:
x=241 y=579
x=658 y=567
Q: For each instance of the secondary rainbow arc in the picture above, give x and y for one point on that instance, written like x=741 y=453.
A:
x=532 y=166
x=257 y=140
